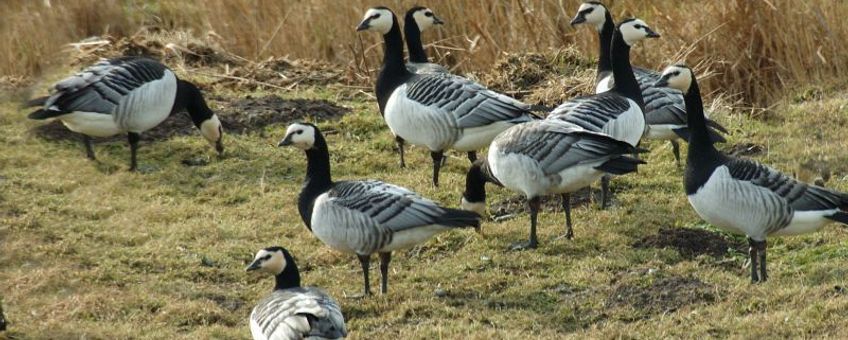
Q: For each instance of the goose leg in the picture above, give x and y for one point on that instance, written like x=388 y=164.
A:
x=534 y=204
x=752 y=254
x=605 y=192
x=472 y=156
x=437 y=164
x=89 y=151
x=385 y=258
x=365 y=261
x=400 y=142
x=133 y=138
x=762 y=254
x=675 y=148
x=566 y=206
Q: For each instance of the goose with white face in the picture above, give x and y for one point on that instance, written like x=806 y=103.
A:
x=299 y=135
x=678 y=77
x=378 y=19
x=425 y=19
x=634 y=30
x=270 y=261
x=590 y=13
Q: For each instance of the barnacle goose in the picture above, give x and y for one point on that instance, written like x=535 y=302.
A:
x=618 y=112
x=417 y=20
x=743 y=196
x=365 y=217
x=292 y=311
x=125 y=95
x=546 y=157
x=665 y=112
x=438 y=110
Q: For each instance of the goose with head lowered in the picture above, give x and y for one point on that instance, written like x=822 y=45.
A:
x=418 y=19
x=440 y=111
x=125 y=95
x=743 y=196
x=665 y=112
x=365 y=217
x=618 y=112
x=542 y=158
x=292 y=311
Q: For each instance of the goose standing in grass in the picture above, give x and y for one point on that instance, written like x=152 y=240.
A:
x=546 y=157
x=125 y=95
x=438 y=110
x=292 y=311
x=619 y=111
x=365 y=217
x=418 y=19
x=665 y=112
x=743 y=196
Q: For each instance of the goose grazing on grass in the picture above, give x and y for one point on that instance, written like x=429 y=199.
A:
x=125 y=95
x=618 y=112
x=418 y=19
x=438 y=110
x=743 y=196
x=292 y=311
x=665 y=112
x=365 y=217
x=546 y=157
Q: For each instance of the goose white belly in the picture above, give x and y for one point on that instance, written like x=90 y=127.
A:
x=523 y=174
x=410 y=237
x=339 y=228
x=91 y=123
x=806 y=222
x=663 y=131
x=629 y=126
x=476 y=138
x=419 y=124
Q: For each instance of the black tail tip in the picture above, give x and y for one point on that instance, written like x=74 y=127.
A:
x=38 y=115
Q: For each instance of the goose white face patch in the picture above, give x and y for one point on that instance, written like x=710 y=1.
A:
x=211 y=129
x=678 y=77
x=379 y=20
x=302 y=136
x=271 y=262
x=424 y=18
x=594 y=14
x=634 y=30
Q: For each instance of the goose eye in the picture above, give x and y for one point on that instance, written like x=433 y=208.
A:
x=428 y=14
x=298 y=132
x=266 y=257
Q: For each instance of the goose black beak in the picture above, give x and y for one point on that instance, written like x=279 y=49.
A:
x=663 y=82
x=219 y=146
x=364 y=25
x=652 y=34
x=579 y=19
x=286 y=141
x=253 y=266
x=437 y=20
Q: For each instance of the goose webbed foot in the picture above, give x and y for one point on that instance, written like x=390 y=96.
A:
x=524 y=245
x=89 y=151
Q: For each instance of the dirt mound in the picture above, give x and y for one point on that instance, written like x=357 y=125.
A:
x=663 y=295
x=517 y=204
x=690 y=243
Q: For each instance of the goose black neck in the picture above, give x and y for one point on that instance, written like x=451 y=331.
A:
x=702 y=158
x=605 y=42
x=190 y=99
x=475 y=183
x=622 y=71
x=413 y=39
x=290 y=276
x=318 y=179
x=699 y=137
x=393 y=72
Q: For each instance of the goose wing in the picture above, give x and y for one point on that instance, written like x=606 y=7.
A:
x=101 y=87
x=799 y=195
x=472 y=104
x=423 y=68
x=394 y=207
x=592 y=112
x=663 y=105
x=297 y=313
x=557 y=146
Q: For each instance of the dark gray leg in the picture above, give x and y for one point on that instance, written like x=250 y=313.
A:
x=534 y=204
x=437 y=164
x=385 y=258
x=761 y=251
x=472 y=156
x=365 y=261
x=566 y=206
x=605 y=192
x=133 y=138
x=752 y=254
x=400 y=142
x=89 y=151
x=675 y=148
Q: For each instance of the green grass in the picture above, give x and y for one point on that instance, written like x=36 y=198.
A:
x=91 y=250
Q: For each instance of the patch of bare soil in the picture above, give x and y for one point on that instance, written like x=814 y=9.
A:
x=517 y=204
x=744 y=149
x=690 y=243
x=663 y=295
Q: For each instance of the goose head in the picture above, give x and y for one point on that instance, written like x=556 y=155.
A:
x=634 y=30
x=591 y=13
x=300 y=135
x=677 y=76
x=378 y=19
x=271 y=260
x=424 y=18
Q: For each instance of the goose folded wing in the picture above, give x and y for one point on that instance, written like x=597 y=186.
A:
x=101 y=87
x=285 y=314
x=389 y=205
x=332 y=325
x=799 y=195
x=664 y=105
x=645 y=76
x=472 y=104
x=592 y=112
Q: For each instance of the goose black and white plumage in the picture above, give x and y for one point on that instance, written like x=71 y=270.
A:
x=438 y=110
x=417 y=20
x=665 y=112
x=291 y=311
x=546 y=157
x=743 y=196
x=125 y=95
x=365 y=217
x=618 y=112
